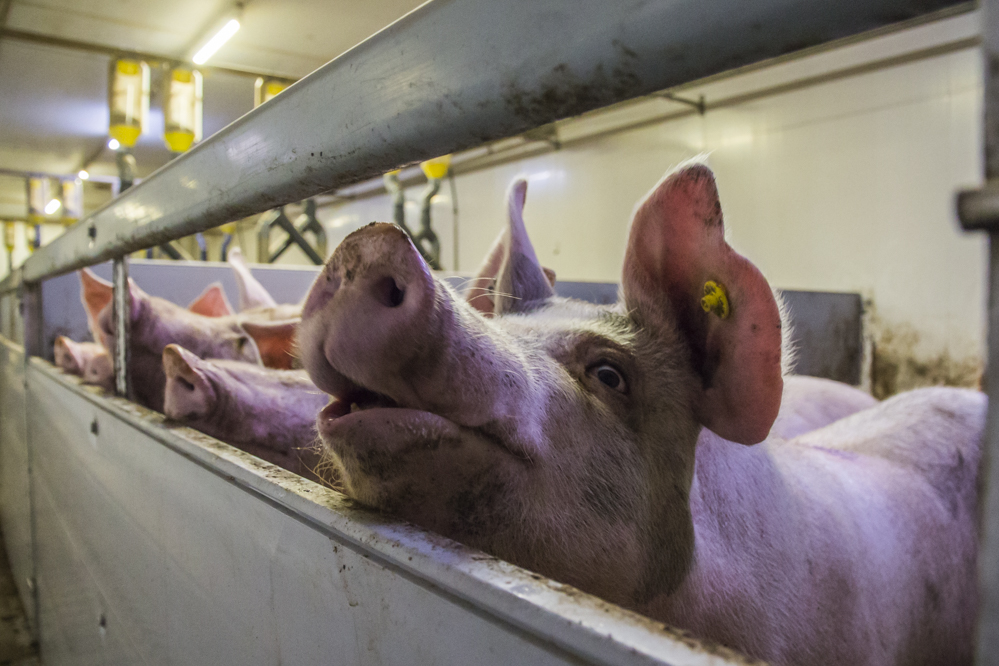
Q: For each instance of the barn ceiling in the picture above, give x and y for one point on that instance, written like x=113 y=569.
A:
x=53 y=97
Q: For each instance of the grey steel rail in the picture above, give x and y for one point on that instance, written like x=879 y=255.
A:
x=979 y=211
x=451 y=75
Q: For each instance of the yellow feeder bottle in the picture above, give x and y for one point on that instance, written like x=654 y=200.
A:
x=437 y=167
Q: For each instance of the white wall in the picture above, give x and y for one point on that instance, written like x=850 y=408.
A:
x=846 y=185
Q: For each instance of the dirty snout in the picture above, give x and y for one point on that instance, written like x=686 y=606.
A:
x=379 y=331
x=370 y=314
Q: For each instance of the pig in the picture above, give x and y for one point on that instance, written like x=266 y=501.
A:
x=89 y=360
x=268 y=413
x=627 y=449
x=155 y=323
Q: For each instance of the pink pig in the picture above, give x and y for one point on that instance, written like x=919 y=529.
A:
x=631 y=450
x=269 y=413
x=89 y=360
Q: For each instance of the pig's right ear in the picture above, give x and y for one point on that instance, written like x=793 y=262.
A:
x=679 y=271
x=212 y=302
x=276 y=342
x=96 y=295
x=511 y=278
x=189 y=394
x=252 y=294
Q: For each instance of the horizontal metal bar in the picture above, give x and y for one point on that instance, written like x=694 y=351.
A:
x=451 y=75
x=978 y=210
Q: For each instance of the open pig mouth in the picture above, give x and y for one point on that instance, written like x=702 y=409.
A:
x=359 y=416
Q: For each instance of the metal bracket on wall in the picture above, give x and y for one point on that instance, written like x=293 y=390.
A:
x=700 y=104
x=426 y=236
x=306 y=222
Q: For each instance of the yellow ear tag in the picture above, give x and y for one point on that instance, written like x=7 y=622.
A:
x=715 y=299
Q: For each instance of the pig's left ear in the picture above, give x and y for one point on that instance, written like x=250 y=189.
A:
x=276 y=342
x=511 y=278
x=679 y=268
x=212 y=302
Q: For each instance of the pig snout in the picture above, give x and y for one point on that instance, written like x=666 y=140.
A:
x=370 y=313
x=377 y=322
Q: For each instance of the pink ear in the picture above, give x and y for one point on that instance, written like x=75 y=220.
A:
x=276 y=342
x=212 y=302
x=252 y=294
x=96 y=295
x=677 y=245
x=511 y=278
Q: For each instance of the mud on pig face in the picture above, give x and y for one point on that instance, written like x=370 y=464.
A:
x=551 y=432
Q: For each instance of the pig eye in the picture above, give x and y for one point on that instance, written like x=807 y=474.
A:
x=241 y=343
x=609 y=376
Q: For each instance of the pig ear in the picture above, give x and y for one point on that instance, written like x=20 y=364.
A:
x=68 y=356
x=189 y=394
x=251 y=293
x=276 y=342
x=96 y=295
x=679 y=268
x=212 y=302
x=511 y=278
x=99 y=370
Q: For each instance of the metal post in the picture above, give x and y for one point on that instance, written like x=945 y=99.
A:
x=122 y=316
x=31 y=317
x=978 y=211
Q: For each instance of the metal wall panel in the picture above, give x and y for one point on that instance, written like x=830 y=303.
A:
x=15 y=505
x=195 y=553
x=827 y=332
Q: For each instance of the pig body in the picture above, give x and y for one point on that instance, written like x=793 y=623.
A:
x=268 y=413
x=618 y=448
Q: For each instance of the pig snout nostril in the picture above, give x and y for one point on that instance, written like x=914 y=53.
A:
x=389 y=293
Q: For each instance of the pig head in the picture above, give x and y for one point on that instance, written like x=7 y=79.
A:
x=155 y=323
x=268 y=413
x=521 y=421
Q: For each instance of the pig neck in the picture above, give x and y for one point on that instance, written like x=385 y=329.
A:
x=740 y=508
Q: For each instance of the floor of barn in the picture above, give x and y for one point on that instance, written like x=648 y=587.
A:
x=17 y=646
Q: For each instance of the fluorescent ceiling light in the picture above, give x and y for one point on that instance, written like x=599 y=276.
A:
x=113 y=144
x=216 y=42
x=83 y=174
x=52 y=206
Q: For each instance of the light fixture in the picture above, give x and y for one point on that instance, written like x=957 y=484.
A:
x=128 y=100
x=52 y=206
x=216 y=41
x=113 y=144
x=83 y=174
x=182 y=108
x=266 y=89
